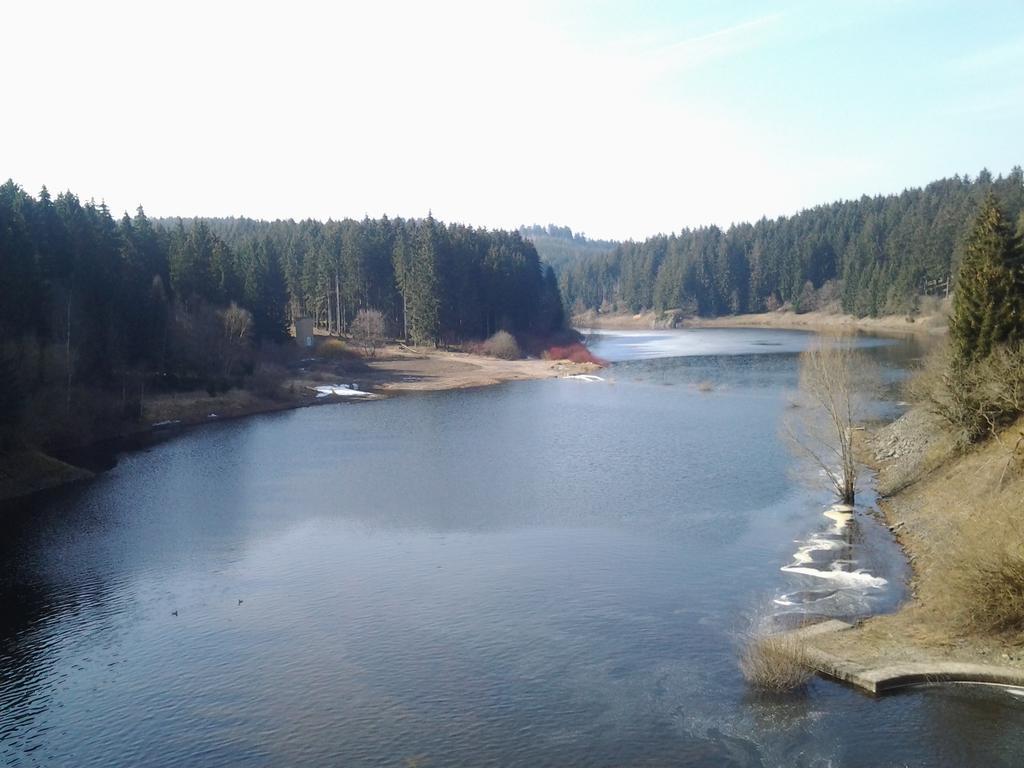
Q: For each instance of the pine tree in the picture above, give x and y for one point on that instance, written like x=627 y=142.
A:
x=988 y=306
x=552 y=314
x=424 y=286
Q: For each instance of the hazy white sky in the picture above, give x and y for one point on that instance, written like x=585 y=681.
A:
x=620 y=120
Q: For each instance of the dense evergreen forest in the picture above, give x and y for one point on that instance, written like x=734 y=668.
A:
x=560 y=246
x=872 y=256
x=433 y=282
x=91 y=305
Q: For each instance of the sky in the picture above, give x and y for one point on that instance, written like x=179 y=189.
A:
x=620 y=120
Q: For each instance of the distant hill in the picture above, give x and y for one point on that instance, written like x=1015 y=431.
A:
x=870 y=256
x=560 y=246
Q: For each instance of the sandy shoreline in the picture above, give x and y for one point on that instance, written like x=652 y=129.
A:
x=808 y=321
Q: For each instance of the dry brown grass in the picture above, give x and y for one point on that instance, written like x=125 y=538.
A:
x=775 y=662
x=958 y=515
x=980 y=590
x=333 y=349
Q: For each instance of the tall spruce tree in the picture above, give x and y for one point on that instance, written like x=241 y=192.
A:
x=424 y=296
x=988 y=307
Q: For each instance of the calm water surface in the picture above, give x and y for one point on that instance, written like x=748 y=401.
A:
x=546 y=573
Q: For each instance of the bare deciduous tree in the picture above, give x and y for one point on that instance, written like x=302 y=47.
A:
x=237 y=325
x=834 y=380
x=369 y=330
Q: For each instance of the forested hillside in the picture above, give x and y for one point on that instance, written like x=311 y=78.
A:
x=872 y=256
x=560 y=246
x=433 y=282
x=94 y=311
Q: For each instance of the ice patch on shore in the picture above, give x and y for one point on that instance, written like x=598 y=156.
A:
x=588 y=377
x=341 y=390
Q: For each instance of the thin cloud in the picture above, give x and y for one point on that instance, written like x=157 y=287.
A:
x=701 y=49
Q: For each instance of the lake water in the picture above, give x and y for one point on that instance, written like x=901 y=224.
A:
x=550 y=573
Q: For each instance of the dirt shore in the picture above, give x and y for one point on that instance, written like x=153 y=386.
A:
x=948 y=511
x=402 y=369
x=809 y=321
x=823 y=321
x=395 y=370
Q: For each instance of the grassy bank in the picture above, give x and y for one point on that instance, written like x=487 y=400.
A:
x=958 y=517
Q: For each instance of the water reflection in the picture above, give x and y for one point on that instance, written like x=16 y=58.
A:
x=540 y=574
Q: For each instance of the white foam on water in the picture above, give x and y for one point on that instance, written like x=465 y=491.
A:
x=840 y=517
x=858 y=578
x=839 y=571
x=787 y=601
x=848 y=509
x=816 y=544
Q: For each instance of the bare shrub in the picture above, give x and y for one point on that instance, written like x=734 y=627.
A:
x=267 y=380
x=502 y=344
x=369 y=330
x=980 y=589
x=807 y=301
x=934 y=387
x=936 y=310
x=829 y=298
x=834 y=380
x=775 y=662
x=978 y=399
x=278 y=353
x=236 y=323
x=211 y=343
x=999 y=383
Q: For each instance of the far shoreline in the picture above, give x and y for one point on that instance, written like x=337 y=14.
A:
x=817 y=321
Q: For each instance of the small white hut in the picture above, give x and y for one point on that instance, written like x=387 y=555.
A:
x=304 y=332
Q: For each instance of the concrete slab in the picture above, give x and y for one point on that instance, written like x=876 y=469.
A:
x=881 y=679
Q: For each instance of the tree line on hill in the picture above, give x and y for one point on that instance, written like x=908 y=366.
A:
x=434 y=283
x=872 y=256
x=92 y=306
x=559 y=246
